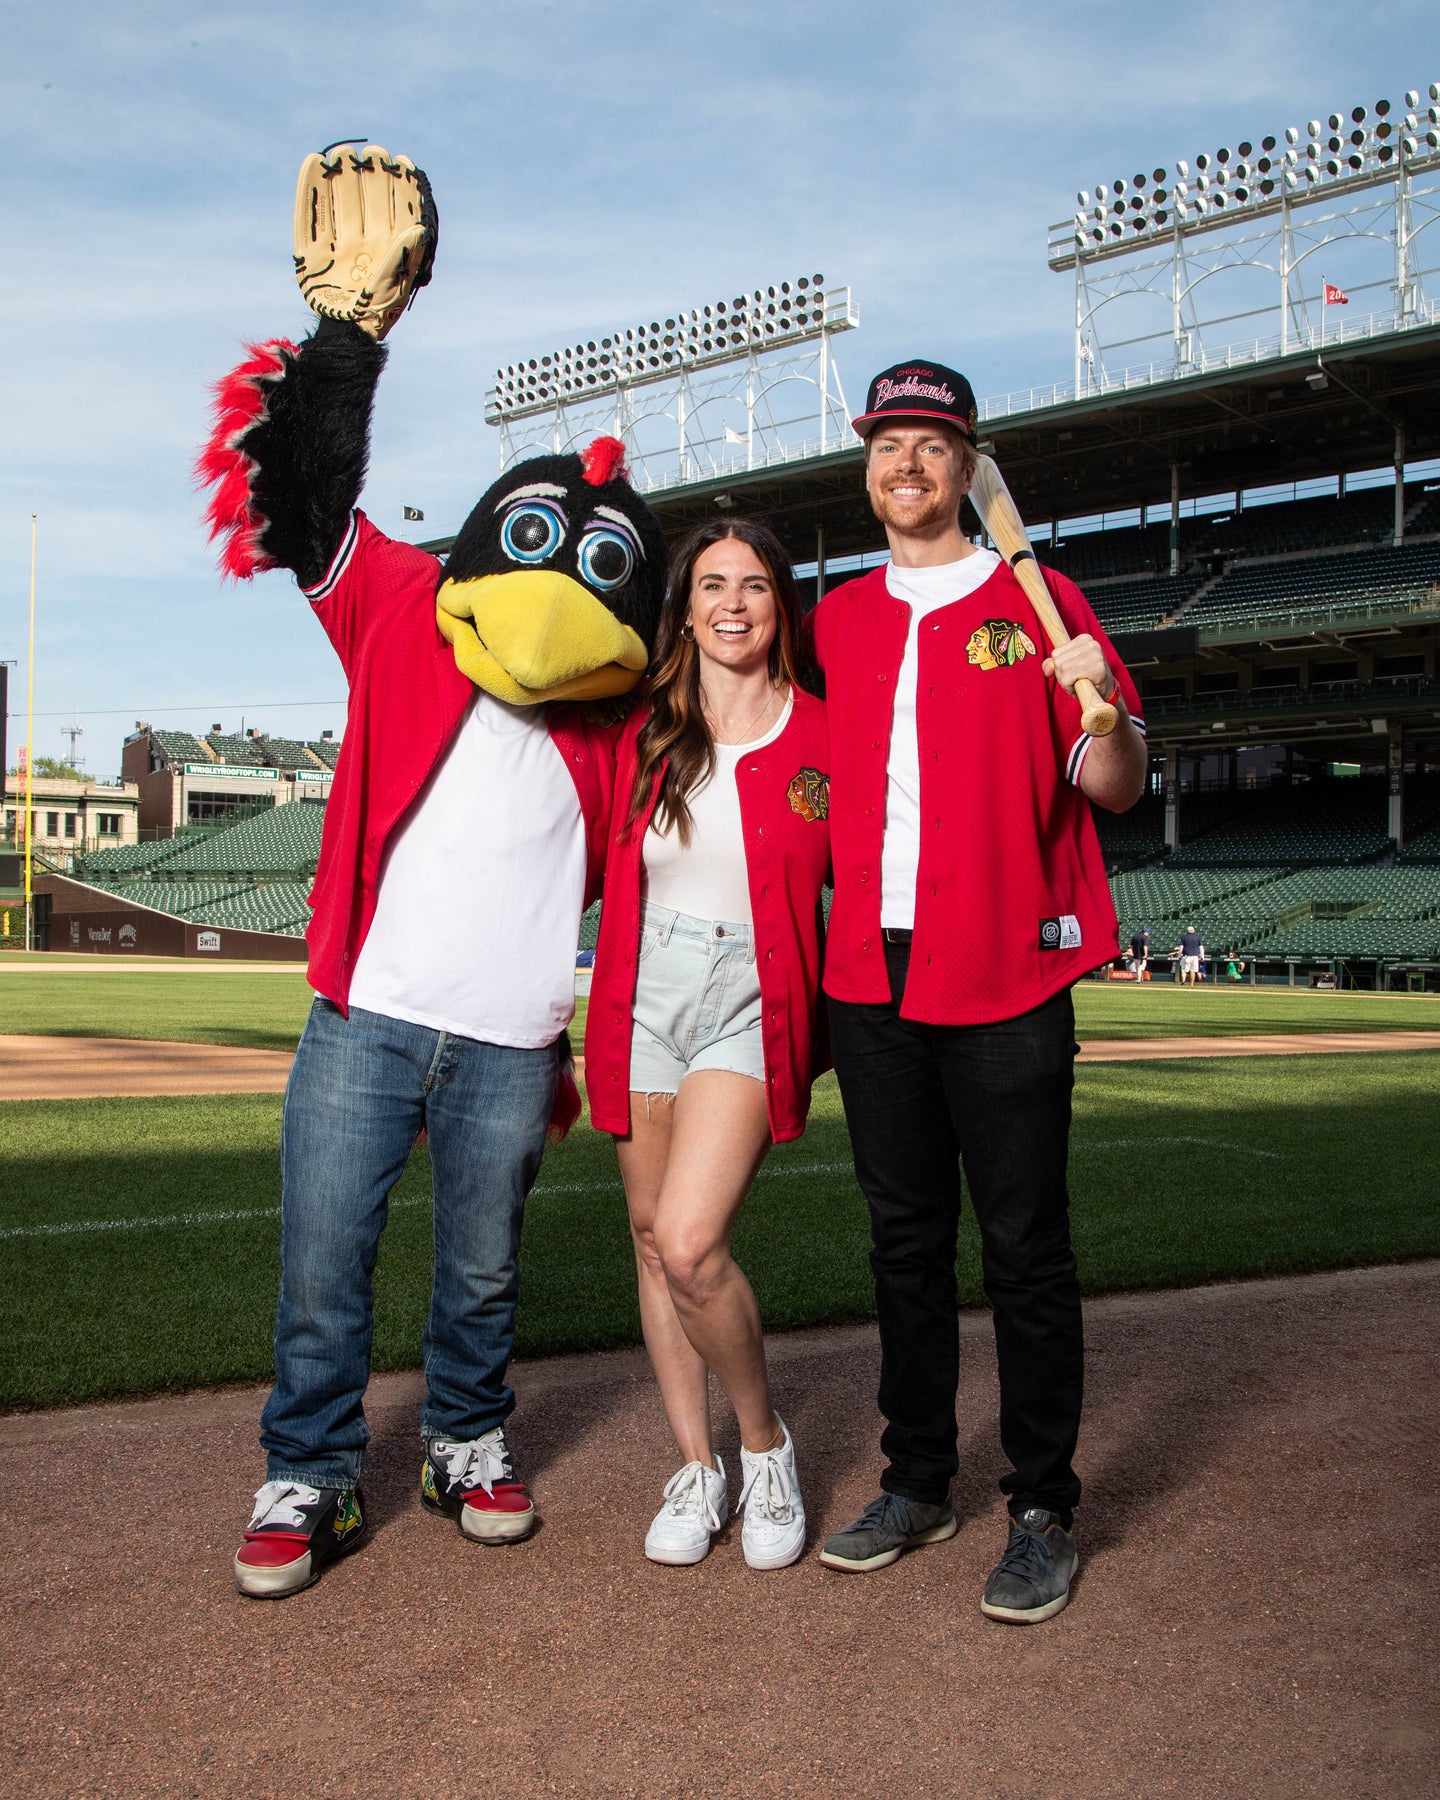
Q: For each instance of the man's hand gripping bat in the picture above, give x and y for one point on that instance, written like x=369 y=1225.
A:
x=1000 y=516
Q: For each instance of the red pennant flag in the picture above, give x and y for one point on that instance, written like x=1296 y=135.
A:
x=1334 y=296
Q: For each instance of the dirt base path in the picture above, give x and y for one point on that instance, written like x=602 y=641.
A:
x=1254 y=1616
x=86 y=1068
x=72 y=1068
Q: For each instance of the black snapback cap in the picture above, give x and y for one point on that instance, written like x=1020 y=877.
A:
x=920 y=390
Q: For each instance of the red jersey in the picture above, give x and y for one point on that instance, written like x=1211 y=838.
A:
x=784 y=806
x=407 y=699
x=1011 y=899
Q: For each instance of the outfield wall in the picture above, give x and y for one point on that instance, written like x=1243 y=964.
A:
x=87 y=920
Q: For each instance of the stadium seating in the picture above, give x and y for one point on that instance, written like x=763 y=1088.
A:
x=123 y=859
x=324 y=750
x=235 y=749
x=284 y=753
x=1101 y=555
x=180 y=746
x=1301 y=587
x=284 y=840
x=1321 y=822
x=279 y=906
x=1138 y=605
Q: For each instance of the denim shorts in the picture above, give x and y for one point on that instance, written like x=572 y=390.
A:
x=697 y=1001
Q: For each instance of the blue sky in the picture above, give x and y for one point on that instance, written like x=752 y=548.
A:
x=592 y=162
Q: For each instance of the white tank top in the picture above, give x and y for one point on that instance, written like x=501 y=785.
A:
x=707 y=877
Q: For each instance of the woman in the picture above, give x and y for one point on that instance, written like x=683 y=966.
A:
x=700 y=1041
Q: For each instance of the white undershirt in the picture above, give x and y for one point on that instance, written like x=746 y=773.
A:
x=926 y=590
x=706 y=878
x=481 y=891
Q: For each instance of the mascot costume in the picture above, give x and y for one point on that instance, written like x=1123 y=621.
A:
x=464 y=835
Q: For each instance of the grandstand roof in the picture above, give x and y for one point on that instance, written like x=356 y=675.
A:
x=1244 y=426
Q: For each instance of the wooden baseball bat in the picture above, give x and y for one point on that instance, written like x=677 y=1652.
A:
x=1001 y=518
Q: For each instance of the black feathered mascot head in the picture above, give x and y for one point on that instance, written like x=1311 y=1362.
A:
x=553 y=586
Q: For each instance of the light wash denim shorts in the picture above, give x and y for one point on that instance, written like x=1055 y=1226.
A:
x=697 y=1001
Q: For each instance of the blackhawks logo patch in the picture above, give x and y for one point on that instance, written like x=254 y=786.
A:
x=999 y=644
x=809 y=795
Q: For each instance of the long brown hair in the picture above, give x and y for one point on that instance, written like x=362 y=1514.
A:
x=676 y=737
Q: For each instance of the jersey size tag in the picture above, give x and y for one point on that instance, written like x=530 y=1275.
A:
x=1060 y=934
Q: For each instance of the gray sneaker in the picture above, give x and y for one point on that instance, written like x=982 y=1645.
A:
x=887 y=1527
x=1031 y=1581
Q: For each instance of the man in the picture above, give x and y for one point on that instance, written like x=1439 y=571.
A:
x=969 y=894
x=1191 y=951
x=1139 y=952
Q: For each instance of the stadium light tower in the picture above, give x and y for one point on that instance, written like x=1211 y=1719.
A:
x=1275 y=207
x=732 y=385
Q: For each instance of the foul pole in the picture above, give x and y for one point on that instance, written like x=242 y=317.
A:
x=30 y=761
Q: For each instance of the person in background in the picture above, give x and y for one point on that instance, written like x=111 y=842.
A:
x=1190 y=952
x=1139 y=952
x=700 y=1042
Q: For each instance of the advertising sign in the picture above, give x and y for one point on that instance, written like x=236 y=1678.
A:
x=231 y=772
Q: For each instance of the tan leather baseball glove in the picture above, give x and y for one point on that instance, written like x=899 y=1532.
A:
x=365 y=235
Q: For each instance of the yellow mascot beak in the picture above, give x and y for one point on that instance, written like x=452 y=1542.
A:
x=535 y=635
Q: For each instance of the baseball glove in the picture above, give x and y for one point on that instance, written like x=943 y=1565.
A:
x=365 y=235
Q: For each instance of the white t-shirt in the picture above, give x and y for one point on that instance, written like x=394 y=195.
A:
x=707 y=877
x=481 y=891
x=926 y=590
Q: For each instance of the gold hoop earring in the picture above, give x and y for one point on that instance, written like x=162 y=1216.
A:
x=687 y=631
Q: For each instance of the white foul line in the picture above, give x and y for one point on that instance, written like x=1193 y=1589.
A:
x=76 y=1227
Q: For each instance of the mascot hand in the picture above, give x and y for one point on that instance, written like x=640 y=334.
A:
x=365 y=235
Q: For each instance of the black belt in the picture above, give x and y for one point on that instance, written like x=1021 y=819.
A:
x=893 y=935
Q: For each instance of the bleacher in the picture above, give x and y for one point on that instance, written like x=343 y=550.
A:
x=124 y=859
x=324 y=750
x=279 y=906
x=1139 y=605
x=1102 y=555
x=1386 y=578
x=243 y=751
x=1320 y=822
x=180 y=746
x=1291 y=525
x=284 y=753
x=283 y=841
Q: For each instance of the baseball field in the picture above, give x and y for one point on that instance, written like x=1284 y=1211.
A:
x=141 y=1234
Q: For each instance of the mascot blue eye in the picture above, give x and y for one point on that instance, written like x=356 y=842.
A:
x=532 y=532
x=607 y=559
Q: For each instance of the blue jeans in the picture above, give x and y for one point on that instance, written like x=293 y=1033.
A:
x=359 y=1092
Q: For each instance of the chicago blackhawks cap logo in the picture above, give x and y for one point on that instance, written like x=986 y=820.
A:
x=920 y=390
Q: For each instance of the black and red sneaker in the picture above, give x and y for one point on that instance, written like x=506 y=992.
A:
x=294 y=1532
x=475 y=1485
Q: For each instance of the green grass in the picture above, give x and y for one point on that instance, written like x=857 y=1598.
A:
x=259 y=1009
x=1181 y=1173
x=1159 y=1009
x=265 y=1009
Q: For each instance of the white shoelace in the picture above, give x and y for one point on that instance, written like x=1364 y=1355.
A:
x=687 y=1496
x=279 y=1503
x=773 y=1494
x=482 y=1463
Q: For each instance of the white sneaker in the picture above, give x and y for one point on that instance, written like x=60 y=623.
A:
x=773 y=1534
x=697 y=1504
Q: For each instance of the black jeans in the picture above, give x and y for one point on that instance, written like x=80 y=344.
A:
x=921 y=1100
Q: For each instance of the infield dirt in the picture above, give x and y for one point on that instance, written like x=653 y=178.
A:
x=1253 y=1615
